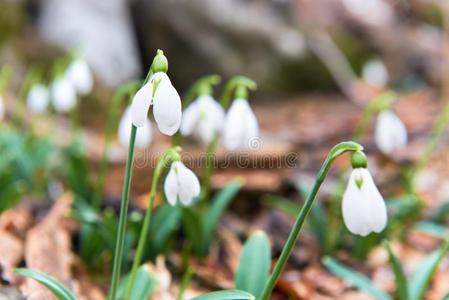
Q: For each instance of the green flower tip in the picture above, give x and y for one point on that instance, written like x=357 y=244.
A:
x=359 y=160
x=160 y=62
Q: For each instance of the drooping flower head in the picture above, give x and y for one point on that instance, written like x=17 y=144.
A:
x=79 y=75
x=181 y=184
x=143 y=136
x=241 y=125
x=2 y=108
x=375 y=73
x=363 y=206
x=63 y=95
x=38 y=98
x=204 y=117
x=160 y=92
x=390 y=132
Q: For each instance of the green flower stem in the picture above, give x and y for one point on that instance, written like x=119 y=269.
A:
x=237 y=86
x=124 y=92
x=159 y=64
x=336 y=151
x=173 y=154
x=119 y=245
x=436 y=133
x=5 y=76
x=209 y=167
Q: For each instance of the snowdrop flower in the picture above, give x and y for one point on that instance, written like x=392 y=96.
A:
x=80 y=76
x=363 y=207
x=375 y=73
x=390 y=132
x=37 y=99
x=181 y=183
x=144 y=135
x=203 y=118
x=166 y=102
x=240 y=126
x=63 y=95
x=2 y=108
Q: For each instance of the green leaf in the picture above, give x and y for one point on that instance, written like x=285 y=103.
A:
x=254 y=264
x=193 y=226
x=52 y=284
x=400 y=279
x=434 y=229
x=144 y=285
x=166 y=220
x=445 y=297
x=219 y=204
x=355 y=279
x=226 y=295
x=421 y=277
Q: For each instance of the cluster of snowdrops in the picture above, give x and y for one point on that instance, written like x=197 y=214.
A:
x=234 y=124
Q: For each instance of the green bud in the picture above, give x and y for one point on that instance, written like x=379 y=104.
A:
x=359 y=160
x=160 y=62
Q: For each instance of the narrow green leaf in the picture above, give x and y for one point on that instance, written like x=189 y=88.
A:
x=254 y=264
x=421 y=277
x=400 y=279
x=193 y=227
x=58 y=289
x=166 y=220
x=143 y=286
x=226 y=295
x=355 y=279
x=434 y=229
x=219 y=204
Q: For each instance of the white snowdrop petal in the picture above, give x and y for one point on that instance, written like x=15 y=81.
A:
x=363 y=209
x=390 y=132
x=79 y=74
x=171 y=186
x=63 y=95
x=141 y=104
x=188 y=183
x=375 y=204
x=144 y=133
x=167 y=107
x=37 y=99
x=2 y=108
x=211 y=119
x=190 y=118
x=234 y=135
x=252 y=127
x=375 y=73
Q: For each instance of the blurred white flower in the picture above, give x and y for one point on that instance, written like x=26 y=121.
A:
x=166 y=104
x=2 y=108
x=38 y=98
x=363 y=207
x=181 y=183
x=203 y=118
x=144 y=135
x=79 y=74
x=240 y=126
x=390 y=132
x=375 y=73
x=373 y=12
x=63 y=95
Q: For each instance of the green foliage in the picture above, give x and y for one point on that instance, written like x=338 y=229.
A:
x=144 y=285
x=420 y=280
x=254 y=264
x=25 y=166
x=226 y=295
x=355 y=279
x=58 y=289
x=400 y=279
x=200 y=225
